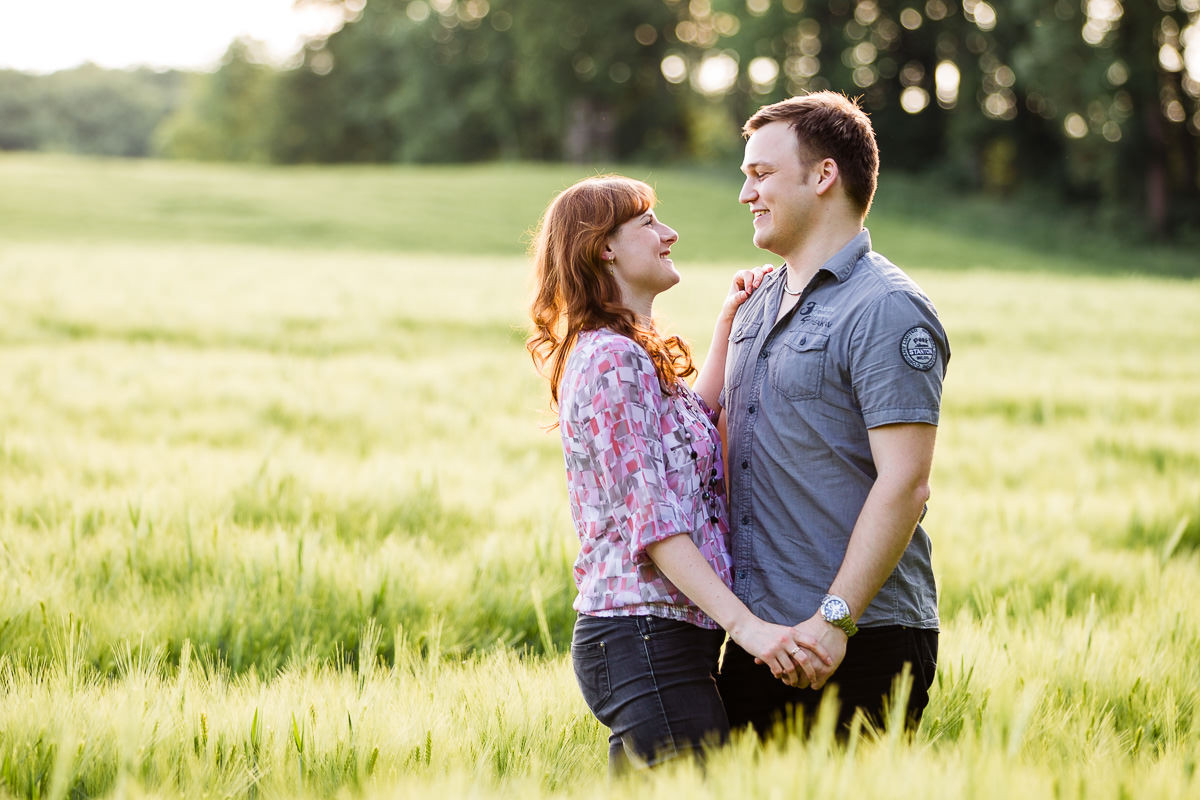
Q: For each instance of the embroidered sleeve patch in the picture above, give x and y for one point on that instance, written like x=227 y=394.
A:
x=918 y=348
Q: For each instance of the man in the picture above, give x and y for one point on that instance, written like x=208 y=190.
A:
x=832 y=395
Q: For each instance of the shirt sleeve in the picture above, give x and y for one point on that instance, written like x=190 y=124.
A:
x=899 y=353
x=714 y=416
x=626 y=445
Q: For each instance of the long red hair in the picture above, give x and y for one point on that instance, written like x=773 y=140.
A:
x=576 y=291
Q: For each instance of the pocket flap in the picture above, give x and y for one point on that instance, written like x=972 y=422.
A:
x=747 y=330
x=804 y=342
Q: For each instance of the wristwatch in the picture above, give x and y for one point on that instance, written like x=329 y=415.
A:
x=836 y=612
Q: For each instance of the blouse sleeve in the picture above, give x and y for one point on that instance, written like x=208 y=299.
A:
x=713 y=416
x=624 y=420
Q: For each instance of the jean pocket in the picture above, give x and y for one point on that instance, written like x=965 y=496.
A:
x=798 y=366
x=591 y=673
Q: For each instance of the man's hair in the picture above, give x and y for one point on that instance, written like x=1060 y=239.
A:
x=829 y=125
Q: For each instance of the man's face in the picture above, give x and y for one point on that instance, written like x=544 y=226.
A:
x=778 y=188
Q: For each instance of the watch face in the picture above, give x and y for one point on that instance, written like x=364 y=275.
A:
x=833 y=608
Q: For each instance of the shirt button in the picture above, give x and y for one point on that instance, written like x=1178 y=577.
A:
x=751 y=409
x=764 y=354
x=745 y=465
x=745 y=520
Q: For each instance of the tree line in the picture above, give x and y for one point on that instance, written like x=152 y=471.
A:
x=1092 y=101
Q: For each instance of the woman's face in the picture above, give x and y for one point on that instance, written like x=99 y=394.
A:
x=639 y=252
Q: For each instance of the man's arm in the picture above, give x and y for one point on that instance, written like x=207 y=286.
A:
x=903 y=456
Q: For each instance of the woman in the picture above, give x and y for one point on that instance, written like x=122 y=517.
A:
x=644 y=477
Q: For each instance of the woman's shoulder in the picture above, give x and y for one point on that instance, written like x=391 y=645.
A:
x=605 y=344
x=602 y=360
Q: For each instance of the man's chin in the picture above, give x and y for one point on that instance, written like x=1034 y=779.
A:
x=762 y=241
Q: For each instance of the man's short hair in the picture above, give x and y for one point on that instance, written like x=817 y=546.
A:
x=830 y=125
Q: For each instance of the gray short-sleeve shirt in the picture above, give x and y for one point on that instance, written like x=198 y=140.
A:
x=862 y=348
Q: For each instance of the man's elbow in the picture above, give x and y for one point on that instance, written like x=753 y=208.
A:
x=910 y=498
x=921 y=494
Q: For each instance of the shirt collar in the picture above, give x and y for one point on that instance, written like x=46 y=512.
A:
x=844 y=260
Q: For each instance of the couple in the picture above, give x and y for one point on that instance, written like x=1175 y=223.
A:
x=827 y=375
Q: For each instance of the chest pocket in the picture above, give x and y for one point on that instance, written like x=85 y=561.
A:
x=797 y=367
x=741 y=342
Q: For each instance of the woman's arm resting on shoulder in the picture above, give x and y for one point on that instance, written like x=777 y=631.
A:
x=680 y=560
x=712 y=374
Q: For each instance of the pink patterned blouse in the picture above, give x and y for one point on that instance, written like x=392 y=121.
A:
x=641 y=467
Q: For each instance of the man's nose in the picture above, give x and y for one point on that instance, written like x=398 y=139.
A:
x=747 y=194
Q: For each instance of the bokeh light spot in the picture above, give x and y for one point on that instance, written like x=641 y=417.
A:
x=1075 y=126
x=674 y=69
x=914 y=99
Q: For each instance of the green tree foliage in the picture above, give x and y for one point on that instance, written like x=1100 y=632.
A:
x=229 y=114
x=394 y=86
x=1110 y=76
x=453 y=80
x=86 y=110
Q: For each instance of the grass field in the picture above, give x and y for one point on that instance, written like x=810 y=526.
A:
x=279 y=518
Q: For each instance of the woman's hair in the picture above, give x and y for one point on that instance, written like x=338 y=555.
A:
x=575 y=289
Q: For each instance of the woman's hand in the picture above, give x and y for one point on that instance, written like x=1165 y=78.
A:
x=744 y=283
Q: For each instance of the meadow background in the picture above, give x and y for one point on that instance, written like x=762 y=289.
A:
x=279 y=516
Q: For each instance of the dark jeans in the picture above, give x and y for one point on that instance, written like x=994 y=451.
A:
x=651 y=682
x=874 y=658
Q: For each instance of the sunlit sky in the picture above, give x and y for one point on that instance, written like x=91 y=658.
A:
x=49 y=35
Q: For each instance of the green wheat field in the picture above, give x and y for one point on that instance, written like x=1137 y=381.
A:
x=280 y=518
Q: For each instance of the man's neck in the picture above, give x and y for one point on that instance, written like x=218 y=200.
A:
x=816 y=249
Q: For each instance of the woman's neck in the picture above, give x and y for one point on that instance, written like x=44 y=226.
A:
x=642 y=308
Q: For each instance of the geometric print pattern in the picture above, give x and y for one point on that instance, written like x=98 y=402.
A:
x=641 y=467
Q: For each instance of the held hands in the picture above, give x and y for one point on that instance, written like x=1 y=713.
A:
x=744 y=283
x=794 y=655
x=826 y=639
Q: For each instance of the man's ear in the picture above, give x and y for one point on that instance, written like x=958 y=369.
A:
x=827 y=175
